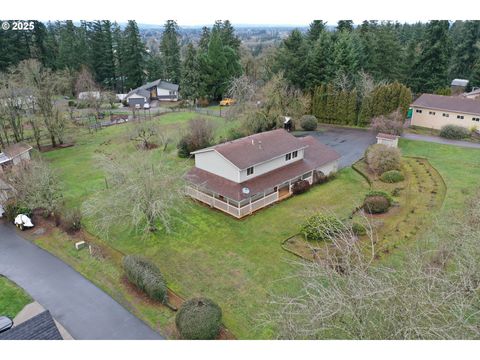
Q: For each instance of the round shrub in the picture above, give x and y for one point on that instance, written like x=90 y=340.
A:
x=376 y=204
x=146 y=276
x=455 y=132
x=381 y=158
x=308 y=122
x=321 y=227
x=392 y=176
x=199 y=319
x=300 y=187
x=358 y=229
x=385 y=194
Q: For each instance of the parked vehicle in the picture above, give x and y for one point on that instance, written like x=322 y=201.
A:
x=5 y=323
x=23 y=222
x=227 y=102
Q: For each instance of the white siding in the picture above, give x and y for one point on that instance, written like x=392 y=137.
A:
x=269 y=166
x=163 y=92
x=213 y=162
x=437 y=120
x=388 y=142
x=329 y=168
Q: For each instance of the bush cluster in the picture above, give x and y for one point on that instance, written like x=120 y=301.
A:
x=321 y=227
x=308 y=122
x=146 y=276
x=358 y=229
x=377 y=202
x=392 y=176
x=381 y=158
x=71 y=220
x=200 y=135
x=12 y=209
x=300 y=187
x=455 y=132
x=199 y=319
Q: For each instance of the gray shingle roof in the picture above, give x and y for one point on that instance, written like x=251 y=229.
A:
x=448 y=103
x=40 y=327
x=159 y=83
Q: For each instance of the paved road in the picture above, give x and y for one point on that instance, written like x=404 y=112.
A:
x=350 y=143
x=82 y=308
x=439 y=140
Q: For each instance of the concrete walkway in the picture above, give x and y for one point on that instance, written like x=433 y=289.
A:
x=439 y=140
x=83 y=309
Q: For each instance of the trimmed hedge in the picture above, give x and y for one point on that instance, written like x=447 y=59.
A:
x=380 y=193
x=376 y=205
x=308 y=122
x=300 y=187
x=199 y=319
x=392 y=176
x=321 y=227
x=146 y=276
x=455 y=132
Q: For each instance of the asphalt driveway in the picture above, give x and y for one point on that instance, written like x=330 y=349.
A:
x=82 y=308
x=350 y=143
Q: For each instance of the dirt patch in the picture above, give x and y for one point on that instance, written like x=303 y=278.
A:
x=47 y=148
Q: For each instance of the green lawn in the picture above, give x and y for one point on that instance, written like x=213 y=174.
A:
x=459 y=167
x=236 y=263
x=12 y=298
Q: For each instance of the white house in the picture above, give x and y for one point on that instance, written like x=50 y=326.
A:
x=244 y=175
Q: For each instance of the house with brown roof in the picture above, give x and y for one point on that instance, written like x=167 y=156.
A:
x=436 y=111
x=242 y=176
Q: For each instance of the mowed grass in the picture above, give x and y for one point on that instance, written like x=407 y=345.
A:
x=237 y=263
x=12 y=298
x=459 y=167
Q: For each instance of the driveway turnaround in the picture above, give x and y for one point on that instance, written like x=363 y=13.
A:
x=439 y=140
x=82 y=308
x=348 y=142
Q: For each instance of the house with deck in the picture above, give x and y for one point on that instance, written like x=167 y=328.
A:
x=155 y=90
x=435 y=111
x=242 y=176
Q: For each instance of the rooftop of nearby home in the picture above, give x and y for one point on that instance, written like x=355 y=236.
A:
x=258 y=148
x=14 y=150
x=448 y=103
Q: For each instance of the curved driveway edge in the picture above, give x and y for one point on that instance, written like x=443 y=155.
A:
x=81 y=307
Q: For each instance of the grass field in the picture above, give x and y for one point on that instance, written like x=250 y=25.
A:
x=236 y=263
x=12 y=298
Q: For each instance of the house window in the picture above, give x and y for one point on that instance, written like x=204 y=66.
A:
x=445 y=115
x=476 y=119
x=294 y=154
x=250 y=171
x=418 y=111
x=459 y=116
x=431 y=113
x=288 y=156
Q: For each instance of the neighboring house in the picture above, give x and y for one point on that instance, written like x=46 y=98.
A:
x=436 y=111
x=14 y=154
x=245 y=175
x=458 y=86
x=155 y=90
x=387 y=139
x=39 y=327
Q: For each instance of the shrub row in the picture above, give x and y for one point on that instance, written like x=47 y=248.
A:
x=146 y=276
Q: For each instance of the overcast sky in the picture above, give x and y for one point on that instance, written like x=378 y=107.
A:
x=191 y=12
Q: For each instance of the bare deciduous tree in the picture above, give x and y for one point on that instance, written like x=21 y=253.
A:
x=36 y=186
x=145 y=194
x=147 y=133
x=432 y=294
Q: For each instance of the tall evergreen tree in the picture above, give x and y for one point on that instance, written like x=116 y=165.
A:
x=170 y=51
x=431 y=69
x=467 y=50
x=133 y=56
x=315 y=29
x=291 y=59
x=345 y=25
x=190 y=83
x=319 y=61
